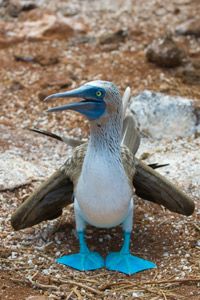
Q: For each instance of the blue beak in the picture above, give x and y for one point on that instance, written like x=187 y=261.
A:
x=92 y=106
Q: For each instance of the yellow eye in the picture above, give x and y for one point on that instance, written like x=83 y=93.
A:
x=98 y=93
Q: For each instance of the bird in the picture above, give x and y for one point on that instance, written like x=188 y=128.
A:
x=104 y=176
x=103 y=191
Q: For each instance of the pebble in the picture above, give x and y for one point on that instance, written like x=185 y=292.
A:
x=198 y=243
x=45 y=272
x=164 y=52
x=14 y=255
x=190 y=27
x=137 y=294
x=30 y=262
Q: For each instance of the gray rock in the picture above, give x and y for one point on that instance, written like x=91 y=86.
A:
x=183 y=159
x=163 y=116
x=16 y=172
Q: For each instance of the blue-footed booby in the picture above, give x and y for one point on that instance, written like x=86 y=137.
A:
x=103 y=191
x=103 y=176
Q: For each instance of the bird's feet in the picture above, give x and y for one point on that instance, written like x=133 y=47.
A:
x=127 y=263
x=82 y=261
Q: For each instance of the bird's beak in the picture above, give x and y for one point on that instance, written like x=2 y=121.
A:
x=89 y=106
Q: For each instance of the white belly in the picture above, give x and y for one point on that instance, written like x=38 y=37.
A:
x=103 y=194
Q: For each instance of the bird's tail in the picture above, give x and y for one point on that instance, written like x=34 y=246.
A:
x=131 y=135
x=71 y=141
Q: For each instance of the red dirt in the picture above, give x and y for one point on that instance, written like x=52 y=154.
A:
x=58 y=63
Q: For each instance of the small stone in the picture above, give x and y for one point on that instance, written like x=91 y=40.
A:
x=164 y=52
x=30 y=262
x=190 y=27
x=15 y=7
x=137 y=294
x=13 y=255
x=189 y=75
x=49 y=26
x=16 y=86
x=112 y=37
x=5 y=252
x=164 y=87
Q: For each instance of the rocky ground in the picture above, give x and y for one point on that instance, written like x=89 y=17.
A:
x=49 y=46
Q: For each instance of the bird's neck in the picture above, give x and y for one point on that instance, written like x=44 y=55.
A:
x=105 y=137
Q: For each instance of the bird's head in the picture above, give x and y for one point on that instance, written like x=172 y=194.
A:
x=98 y=99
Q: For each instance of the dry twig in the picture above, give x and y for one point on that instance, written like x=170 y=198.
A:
x=156 y=282
x=75 y=283
x=75 y=290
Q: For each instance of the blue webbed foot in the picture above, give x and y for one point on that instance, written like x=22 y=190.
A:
x=127 y=263
x=82 y=261
x=85 y=260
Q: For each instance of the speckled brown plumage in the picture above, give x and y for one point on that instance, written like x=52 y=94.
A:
x=73 y=165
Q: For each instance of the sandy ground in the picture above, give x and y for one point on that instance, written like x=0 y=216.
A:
x=33 y=67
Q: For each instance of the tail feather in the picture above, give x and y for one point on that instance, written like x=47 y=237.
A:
x=125 y=100
x=73 y=142
x=46 y=133
x=156 y=165
x=131 y=135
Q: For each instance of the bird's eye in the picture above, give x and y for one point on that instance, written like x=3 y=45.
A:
x=98 y=93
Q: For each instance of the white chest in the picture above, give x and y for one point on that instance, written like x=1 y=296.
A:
x=103 y=192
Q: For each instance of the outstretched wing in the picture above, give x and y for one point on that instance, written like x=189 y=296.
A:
x=148 y=183
x=152 y=186
x=46 y=202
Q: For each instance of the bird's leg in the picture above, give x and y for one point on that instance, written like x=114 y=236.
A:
x=83 y=246
x=85 y=260
x=123 y=261
x=126 y=244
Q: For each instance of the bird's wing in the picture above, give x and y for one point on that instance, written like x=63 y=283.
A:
x=152 y=186
x=48 y=200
